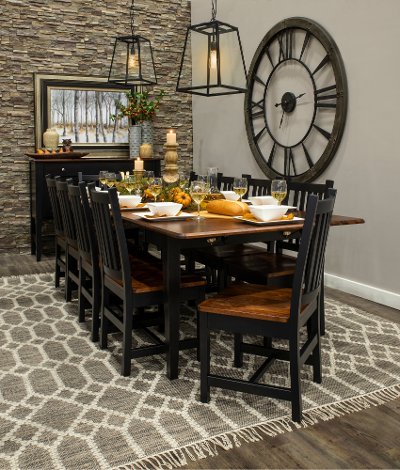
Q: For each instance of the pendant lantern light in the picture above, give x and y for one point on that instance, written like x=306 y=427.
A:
x=132 y=62
x=212 y=61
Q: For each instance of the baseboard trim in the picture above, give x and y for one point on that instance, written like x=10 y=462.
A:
x=380 y=296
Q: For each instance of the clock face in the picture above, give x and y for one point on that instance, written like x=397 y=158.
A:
x=296 y=103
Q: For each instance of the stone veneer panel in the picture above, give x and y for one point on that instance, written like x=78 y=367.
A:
x=76 y=38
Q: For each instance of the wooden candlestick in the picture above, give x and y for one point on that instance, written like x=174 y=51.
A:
x=171 y=174
x=138 y=174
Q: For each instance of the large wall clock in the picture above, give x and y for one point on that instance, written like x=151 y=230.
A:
x=296 y=103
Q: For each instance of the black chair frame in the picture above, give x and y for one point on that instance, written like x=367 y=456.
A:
x=304 y=312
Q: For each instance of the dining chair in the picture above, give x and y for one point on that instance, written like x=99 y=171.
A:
x=71 y=252
x=277 y=266
x=89 y=284
x=289 y=314
x=60 y=240
x=130 y=281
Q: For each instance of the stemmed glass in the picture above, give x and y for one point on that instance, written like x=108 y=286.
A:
x=155 y=187
x=240 y=186
x=103 y=178
x=279 y=190
x=184 y=179
x=130 y=184
x=199 y=190
x=111 y=179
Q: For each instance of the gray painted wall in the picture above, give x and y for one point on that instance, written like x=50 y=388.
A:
x=362 y=259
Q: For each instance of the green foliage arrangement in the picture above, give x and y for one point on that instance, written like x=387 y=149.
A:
x=141 y=106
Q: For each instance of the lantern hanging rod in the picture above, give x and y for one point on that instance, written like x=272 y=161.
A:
x=132 y=17
x=213 y=9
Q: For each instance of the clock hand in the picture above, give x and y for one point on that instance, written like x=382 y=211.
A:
x=280 y=124
x=296 y=98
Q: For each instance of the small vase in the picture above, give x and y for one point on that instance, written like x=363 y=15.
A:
x=51 y=139
x=135 y=140
x=146 y=151
x=147 y=132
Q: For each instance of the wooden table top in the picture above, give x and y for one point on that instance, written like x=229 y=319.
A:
x=213 y=227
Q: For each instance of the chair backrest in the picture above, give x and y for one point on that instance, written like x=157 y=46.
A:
x=310 y=260
x=258 y=187
x=110 y=234
x=87 y=178
x=298 y=193
x=83 y=219
x=66 y=212
x=224 y=183
x=55 y=205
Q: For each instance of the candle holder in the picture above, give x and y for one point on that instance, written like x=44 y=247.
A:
x=138 y=174
x=170 y=174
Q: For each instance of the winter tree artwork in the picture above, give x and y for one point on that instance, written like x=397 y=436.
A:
x=84 y=116
x=81 y=109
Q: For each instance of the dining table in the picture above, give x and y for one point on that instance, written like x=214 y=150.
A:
x=172 y=237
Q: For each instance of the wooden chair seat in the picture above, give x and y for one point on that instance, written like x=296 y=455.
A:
x=147 y=275
x=250 y=301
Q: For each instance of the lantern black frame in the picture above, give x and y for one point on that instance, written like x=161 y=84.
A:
x=217 y=28
x=133 y=41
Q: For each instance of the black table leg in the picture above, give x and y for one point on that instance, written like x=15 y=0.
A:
x=171 y=270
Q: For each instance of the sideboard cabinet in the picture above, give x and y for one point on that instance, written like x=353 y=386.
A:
x=39 y=198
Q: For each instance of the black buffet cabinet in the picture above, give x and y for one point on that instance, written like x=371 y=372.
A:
x=39 y=197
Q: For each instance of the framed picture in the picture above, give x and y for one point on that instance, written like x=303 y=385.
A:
x=81 y=109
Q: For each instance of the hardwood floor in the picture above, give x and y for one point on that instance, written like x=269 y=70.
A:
x=367 y=439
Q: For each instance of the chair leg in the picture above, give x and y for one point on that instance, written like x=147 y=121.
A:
x=68 y=281
x=237 y=350
x=95 y=309
x=127 y=341
x=204 y=358
x=81 y=298
x=295 y=384
x=57 y=268
x=316 y=355
x=322 y=307
x=103 y=342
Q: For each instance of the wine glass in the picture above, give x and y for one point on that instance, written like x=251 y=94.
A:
x=279 y=190
x=130 y=184
x=155 y=187
x=103 y=178
x=111 y=179
x=199 y=190
x=240 y=186
x=184 y=179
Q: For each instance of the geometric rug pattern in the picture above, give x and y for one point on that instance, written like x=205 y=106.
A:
x=63 y=403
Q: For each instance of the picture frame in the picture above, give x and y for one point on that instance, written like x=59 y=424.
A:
x=80 y=109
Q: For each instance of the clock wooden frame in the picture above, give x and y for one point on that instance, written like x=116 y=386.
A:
x=334 y=97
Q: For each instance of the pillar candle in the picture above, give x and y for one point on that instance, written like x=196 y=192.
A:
x=171 y=138
x=138 y=164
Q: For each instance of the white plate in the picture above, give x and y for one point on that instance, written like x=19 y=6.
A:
x=181 y=216
x=270 y=222
x=134 y=209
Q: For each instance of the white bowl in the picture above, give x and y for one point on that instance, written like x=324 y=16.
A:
x=230 y=195
x=263 y=200
x=129 y=202
x=267 y=213
x=164 y=208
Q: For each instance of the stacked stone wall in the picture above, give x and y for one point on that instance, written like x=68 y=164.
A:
x=75 y=37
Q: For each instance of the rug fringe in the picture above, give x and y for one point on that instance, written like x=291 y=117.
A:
x=210 y=447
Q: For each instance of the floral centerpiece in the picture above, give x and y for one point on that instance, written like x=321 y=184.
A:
x=140 y=107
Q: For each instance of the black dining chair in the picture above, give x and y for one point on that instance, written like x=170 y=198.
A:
x=72 y=253
x=277 y=266
x=130 y=281
x=278 y=313
x=89 y=283
x=60 y=240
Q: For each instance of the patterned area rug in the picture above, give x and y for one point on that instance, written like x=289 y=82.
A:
x=64 y=405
